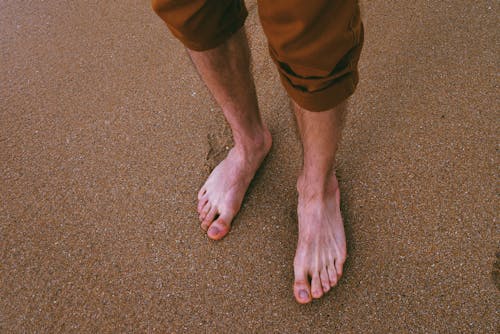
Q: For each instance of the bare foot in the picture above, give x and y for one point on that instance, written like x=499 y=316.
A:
x=321 y=248
x=220 y=198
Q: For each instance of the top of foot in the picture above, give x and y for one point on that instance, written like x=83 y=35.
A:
x=321 y=247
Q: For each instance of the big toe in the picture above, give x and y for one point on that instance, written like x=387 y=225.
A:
x=219 y=228
x=302 y=292
x=301 y=288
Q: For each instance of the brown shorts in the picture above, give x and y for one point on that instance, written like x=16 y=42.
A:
x=315 y=44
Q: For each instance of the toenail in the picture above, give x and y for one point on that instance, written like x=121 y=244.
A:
x=214 y=230
x=303 y=294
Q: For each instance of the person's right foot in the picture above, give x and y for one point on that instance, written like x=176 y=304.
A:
x=321 y=248
x=220 y=198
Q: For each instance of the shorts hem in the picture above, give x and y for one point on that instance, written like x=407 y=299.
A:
x=325 y=99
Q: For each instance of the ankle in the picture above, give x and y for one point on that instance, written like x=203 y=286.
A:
x=257 y=140
x=316 y=185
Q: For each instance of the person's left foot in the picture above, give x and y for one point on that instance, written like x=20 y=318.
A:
x=321 y=248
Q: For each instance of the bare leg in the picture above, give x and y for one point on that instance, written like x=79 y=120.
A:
x=321 y=248
x=225 y=71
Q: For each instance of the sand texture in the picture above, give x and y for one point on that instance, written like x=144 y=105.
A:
x=106 y=134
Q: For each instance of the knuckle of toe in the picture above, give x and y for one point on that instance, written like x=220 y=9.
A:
x=341 y=259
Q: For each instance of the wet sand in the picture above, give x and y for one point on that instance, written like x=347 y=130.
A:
x=106 y=134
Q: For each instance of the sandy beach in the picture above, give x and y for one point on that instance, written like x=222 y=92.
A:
x=107 y=133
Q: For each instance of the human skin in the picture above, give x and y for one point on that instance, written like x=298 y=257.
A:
x=321 y=246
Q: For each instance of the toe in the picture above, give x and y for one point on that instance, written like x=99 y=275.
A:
x=316 y=288
x=205 y=211
x=209 y=218
x=325 y=280
x=219 y=228
x=332 y=275
x=202 y=192
x=201 y=204
x=339 y=264
x=301 y=288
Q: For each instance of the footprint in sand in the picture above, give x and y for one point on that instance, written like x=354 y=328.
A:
x=495 y=273
x=219 y=144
